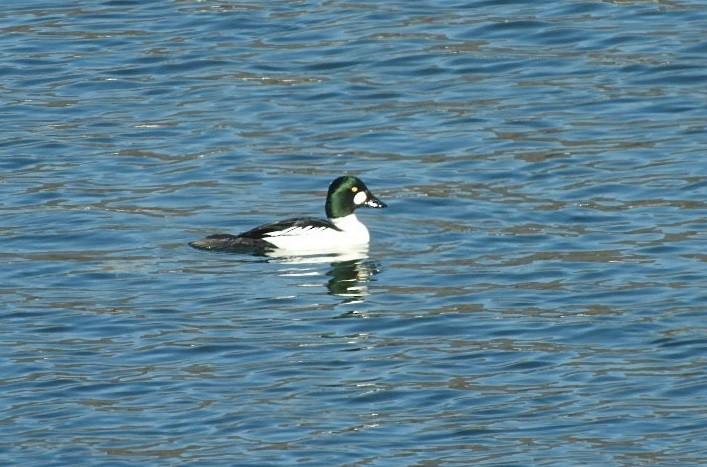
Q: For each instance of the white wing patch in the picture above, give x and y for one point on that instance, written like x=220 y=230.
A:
x=296 y=231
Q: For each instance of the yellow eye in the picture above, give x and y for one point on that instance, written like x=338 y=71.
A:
x=354 y=189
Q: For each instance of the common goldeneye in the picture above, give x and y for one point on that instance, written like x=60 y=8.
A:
x=341 y=230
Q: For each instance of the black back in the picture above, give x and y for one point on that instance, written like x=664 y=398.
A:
x=263 y=230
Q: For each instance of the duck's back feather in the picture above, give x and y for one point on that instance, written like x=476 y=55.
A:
x=288 y=227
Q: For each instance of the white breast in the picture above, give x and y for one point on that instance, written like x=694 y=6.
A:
x=313 y=239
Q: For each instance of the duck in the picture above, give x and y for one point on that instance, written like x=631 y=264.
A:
x=341 y=229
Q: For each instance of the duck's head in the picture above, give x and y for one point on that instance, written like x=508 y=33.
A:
x=346 y=194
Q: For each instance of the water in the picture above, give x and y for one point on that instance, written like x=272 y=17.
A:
x=533 y=295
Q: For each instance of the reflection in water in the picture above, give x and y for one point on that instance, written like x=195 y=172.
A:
x=349 y=279
x=350 y=272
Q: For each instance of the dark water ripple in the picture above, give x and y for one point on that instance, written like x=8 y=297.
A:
x=534 y=295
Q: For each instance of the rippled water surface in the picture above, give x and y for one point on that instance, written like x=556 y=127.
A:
x=533 y=295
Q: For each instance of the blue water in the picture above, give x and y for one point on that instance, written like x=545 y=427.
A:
x=533 y=295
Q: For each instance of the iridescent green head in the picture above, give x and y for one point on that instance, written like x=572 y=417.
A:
x=346 y=194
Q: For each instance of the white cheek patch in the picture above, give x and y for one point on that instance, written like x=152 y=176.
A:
x=360 y=198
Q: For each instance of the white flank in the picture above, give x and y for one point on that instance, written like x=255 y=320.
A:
x=313 y=239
